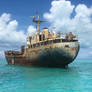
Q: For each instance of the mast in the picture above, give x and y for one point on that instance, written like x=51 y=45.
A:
x=38 y=21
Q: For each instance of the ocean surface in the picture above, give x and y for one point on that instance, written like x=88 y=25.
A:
x=76 y=78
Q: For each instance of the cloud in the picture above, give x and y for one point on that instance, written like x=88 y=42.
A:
x=31 y=30
x=2 y=54
x=61 y=17
x=9 y=33
x=90 y=52
x=85 y=53
x=10 y=36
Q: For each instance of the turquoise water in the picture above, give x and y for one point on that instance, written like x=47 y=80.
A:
x=76 y=78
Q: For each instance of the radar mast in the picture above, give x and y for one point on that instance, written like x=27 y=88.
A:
x=37 y=21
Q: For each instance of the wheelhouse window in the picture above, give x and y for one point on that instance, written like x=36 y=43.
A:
x=31 y=46
x=45 y=43
x=67 y=46
x=51 y=41
x=34 y=45
x=56 y=40
x=42 y=43
x=37 y=44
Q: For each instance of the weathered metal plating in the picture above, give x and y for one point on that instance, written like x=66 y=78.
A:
x=45 y=49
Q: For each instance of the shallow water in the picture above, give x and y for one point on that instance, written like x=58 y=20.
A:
x=76 y=78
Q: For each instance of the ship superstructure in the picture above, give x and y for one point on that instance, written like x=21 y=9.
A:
x=45 y=48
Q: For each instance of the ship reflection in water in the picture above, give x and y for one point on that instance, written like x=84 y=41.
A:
x=45 y=49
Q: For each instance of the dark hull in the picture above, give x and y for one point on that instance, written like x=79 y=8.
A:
x=60 y=61
x=47 y=58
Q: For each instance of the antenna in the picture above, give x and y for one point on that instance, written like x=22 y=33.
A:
x=37 y=21
x=38 y=16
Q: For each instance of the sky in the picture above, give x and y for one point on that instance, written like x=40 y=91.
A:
x=64 y=15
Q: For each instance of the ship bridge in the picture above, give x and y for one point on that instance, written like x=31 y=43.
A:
x=46 y=37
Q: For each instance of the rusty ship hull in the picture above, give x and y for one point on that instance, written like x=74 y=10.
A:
x=45 y=48
x=53 y=55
